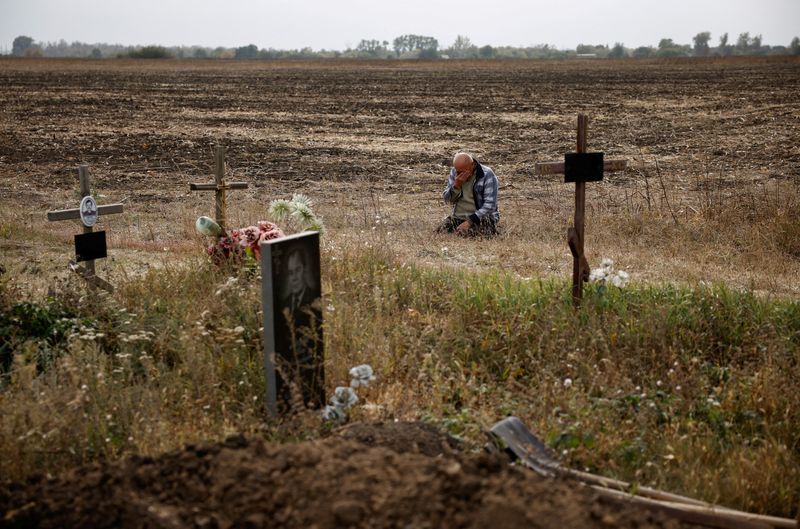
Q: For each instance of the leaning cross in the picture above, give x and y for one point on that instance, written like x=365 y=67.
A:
x=580 y=167
x=88 y=214
x=220 y=186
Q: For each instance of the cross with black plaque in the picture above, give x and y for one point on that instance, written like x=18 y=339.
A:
x=220 y=187
x=89 y=245
x=580 y=167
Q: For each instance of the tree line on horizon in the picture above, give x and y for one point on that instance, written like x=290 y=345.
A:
x=411 y=47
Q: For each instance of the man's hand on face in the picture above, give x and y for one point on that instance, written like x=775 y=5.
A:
x=464 y=227
x=461 y=178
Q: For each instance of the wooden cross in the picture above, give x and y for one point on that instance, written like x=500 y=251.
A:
x=580 y=167
x=220 y=187
x=87 y=272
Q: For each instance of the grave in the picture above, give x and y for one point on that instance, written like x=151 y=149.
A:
x=220 y=186
x=580 y=167
x=90 y=245
x=291 y=293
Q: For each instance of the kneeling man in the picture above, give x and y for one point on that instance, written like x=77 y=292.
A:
x=472 y=189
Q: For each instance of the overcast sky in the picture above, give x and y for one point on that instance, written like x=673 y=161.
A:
x=337 y=24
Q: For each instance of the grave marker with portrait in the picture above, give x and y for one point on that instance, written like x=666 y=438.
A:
x=293 y=345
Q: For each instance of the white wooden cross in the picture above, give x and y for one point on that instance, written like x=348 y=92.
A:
x=580 y=167
x=220 y=186
x=88 y=271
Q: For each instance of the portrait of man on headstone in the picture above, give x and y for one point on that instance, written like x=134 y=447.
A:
x=298 y=318
x=299 y=287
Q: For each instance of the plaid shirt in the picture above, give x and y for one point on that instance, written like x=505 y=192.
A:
x=484 y=191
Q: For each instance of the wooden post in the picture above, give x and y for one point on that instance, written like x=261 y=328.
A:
x=83 y=174
x=220 y=203
x=580 y=208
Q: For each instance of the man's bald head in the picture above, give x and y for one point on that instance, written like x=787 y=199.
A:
x=463 y=162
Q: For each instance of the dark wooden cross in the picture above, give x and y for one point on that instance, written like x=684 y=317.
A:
x=220 y=187
x=94 y=244
x=580 y=167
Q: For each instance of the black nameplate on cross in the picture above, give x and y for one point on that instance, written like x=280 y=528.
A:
x=90 y=246
x=583 y=167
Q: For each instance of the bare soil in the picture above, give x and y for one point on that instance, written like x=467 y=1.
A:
x=397 y=480
x=368 y=139
x=142 y=123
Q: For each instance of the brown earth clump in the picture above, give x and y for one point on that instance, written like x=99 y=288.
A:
x=402 y=437
x=335 y=482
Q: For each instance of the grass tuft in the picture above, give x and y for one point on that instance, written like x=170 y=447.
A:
x=694 y=390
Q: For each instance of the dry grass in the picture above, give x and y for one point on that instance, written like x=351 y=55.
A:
x=689 y=389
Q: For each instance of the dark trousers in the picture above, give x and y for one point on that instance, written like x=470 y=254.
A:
x=486 y=228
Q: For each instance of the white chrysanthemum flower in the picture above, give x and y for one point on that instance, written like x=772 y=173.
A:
x=361 y=375
x=606 y=274
x=333 y=413
x=344 y=397
x=280 y=209
x=620 y=279
x=299 y=198
x=315 y=225
x=302 y=212
x=597 y=274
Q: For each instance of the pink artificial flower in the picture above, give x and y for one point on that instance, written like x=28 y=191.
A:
x=250 y=236
x=232 y=247
x=275 y=233
x=265 y=225
x=221 y=254
x=225 y=243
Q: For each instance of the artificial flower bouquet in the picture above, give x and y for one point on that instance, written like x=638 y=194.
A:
x=242 y=245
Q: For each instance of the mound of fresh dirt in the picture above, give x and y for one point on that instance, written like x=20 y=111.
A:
x=336 y=482
x=402 y=437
